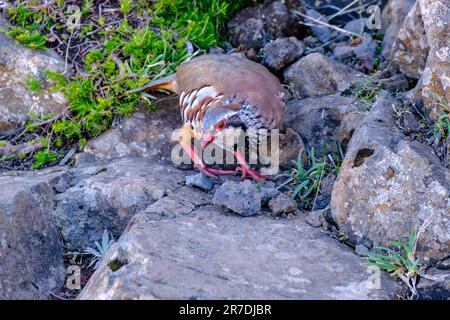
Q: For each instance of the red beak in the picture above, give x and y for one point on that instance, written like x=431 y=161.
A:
x=207 y=138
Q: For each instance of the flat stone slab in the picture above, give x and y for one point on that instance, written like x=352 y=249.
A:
x=211 y=254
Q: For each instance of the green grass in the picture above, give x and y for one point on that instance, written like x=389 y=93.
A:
x=441 y=128
x=368 y=90
x=307 y=178
x=43 y=158
x=99 y=253
x=145 y=40
x=399 y=259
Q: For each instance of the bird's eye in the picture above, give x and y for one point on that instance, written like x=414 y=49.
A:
x=221 y=125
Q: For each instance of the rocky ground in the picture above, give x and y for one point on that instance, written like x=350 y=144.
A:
x=369 y=101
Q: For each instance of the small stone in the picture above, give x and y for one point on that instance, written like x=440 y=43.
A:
x=342 y=52
x=216 y=50
x=323 y=123
x=240 y=197
x=61 y=186
x=268 y=193
x=395 y=83
x=321 y=32
x=361 y=250
x=283 y=51
x=311 y=42
x=436 y=289
x=248 y=34
x=315 y=218
x=200 y=181
x=282 y=204
x=356 y=26
x=254 y=26
x=366 y=51
x=316 y=75
x=326 y=186
x=410 y=122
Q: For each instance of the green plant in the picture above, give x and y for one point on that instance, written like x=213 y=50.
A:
x=43 y=158
x=100 y=251
x=33 y=84
x=398 y=258
x=441 y=128
x=307 y=178
x=29 y=38
x=126 y=6
x=368 y=90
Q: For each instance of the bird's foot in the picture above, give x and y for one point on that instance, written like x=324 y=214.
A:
x=212 y=173
x=247 y=171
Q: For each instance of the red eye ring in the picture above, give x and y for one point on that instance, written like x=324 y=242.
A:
x=221 y=125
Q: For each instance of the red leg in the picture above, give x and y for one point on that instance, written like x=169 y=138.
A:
x=198 y=163
x=245 y=168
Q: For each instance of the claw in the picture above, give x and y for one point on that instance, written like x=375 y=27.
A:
x=246 y=171
x=210 y=172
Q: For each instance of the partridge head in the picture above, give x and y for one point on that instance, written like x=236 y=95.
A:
x=221 y=93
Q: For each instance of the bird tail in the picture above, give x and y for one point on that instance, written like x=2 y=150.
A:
x=167 y=83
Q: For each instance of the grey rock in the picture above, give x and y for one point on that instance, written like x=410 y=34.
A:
x=145 y=134
x=268 y=193
x=290 y=144
x=282 y=52
x=396 y=83
x=326 y=186
x=325 y=122
x=435 y=79
x=356 y=25
x=411 y=47
x=387 y=185
x=343 y=51
x=240 y=197
x=170 y=206
x=216 y=50
x=392 y=18
x=209 y=254
x=322 y=33
x=315 y=218
x=282 y=204
x=31 y=250
x=410 y=122
x=253 y=27
x=16 y=65
x=250 y=34
x=181 y=202
x=444 y=264
x=317 y=75
x=436 y=289
x=311 y=42
x=324 y=196
x=107 y=196
x=361 y=250
x=199 y=180
x=366 y=51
